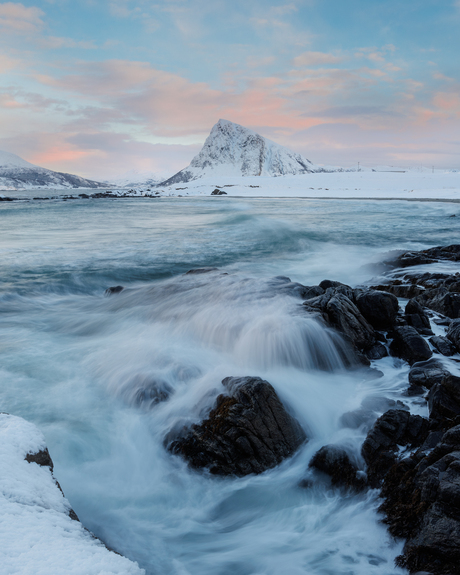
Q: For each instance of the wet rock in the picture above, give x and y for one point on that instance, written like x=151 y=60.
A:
x=198 y=271
x=248 y=431
x=148 y=392
x=370 y=408
x=394 y=428
x=312 y=291
x=377 y=351
x=335 y=462
x=422 y=504
x=453 y=333
x=416 y=316
x=443 y=345
x=218 y=192
x=441 y=404
x=439 y=253
x=409 y=345
x=378 y=307
x=113 y=290
x=427 y=373
x=399 y=289
x=346 y=317
x=441 y=300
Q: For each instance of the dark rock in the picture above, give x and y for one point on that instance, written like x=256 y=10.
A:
x=113 y=290
x=335 y=462
x=378 y=307
x=416 y=317
x=393 y=428
x=409 y=345
x=377 y=351
x=439 y=253
x=441 y=300
x=399 y=289
x=312 y=291
x=451 y=384
x=427 y=373
x=200 y=271
x=41 y=458
x=453 y=333
x=248 y=431
x=345 y=316
x=326 y=284
x=443 y=345
x=148 y=392
x=218 y=192
x=441 y=404
x=370 y=408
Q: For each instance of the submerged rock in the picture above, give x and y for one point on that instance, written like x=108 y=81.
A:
x=113 y=290
x=248 y=431
x=443 y=345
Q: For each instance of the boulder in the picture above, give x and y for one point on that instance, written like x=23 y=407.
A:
x=443 y=345
x=217 y=192
x=377 y=351
x=453 y=333
x=441 y=300
x=416 y=316
x=335 y=462
x=346 y=317
x=113 y=290
x=409 y=345
x=441 y=404
x=427 y=373
x=394 y=428
x=378 y=307
x=248 y=431
x=439 y=253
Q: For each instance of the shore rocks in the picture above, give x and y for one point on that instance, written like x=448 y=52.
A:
x=427 y=373
x=394 y=428
x=453 y=333
x=379 y=308
x=248 y=431
x=439 y=253
x=334 y=461
x=409 y=345
x=443 y=345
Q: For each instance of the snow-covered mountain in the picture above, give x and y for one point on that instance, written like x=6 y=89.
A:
x=137 y=179
x=17 y=174
x=233 y=150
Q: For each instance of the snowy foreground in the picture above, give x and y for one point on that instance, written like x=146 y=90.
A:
x=38 y=536
x=408 y=185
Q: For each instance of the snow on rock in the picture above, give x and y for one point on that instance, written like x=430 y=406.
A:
x=18 y=174
x=37 y=536
x=233 y=150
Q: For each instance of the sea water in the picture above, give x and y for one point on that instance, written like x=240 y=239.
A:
x=107 y=379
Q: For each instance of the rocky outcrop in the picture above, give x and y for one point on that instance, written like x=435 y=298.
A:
x=409 y=345
x=334 y=460
x=379 y=308
x=394 y=428
x=443 y=345
x=453 y=333
x=432 y=255
x=248 y=431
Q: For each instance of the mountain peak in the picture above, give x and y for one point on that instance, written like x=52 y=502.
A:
x=233 y=150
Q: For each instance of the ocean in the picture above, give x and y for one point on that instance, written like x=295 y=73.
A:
x=107 y=379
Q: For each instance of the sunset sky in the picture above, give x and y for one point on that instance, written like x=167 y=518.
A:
x=101 y=87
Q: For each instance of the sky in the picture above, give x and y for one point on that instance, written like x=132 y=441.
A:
x=103 y=87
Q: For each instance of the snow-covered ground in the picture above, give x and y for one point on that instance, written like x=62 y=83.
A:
x=38 y=536
x=404 y=185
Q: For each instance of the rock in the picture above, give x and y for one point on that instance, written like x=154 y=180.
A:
x=312 y=291
x=42 y=458
x=378 y=307
x=427 y=373
x=441 y=404
x=198 y=271
x=335 y=462
x=416 y=317
x=377 y=351
x=441 y=300
x=439 y=253
x=345 y=316
x=393 y=428
x=409 y=345
x=399 y=289
x=248 y=431
x=453 y=333
x=113 y=290
x=218 y=192
x=443 y=345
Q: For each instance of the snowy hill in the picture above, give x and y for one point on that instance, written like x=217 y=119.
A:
x=137 y=179
x=17 y=174
x=232 y=150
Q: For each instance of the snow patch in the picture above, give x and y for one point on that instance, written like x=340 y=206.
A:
x=37 y=535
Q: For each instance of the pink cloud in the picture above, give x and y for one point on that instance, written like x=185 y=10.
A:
x=18 y=18
x=316 y=59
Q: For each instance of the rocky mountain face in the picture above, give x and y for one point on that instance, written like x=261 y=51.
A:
x=233 y=150
x=16 y=174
